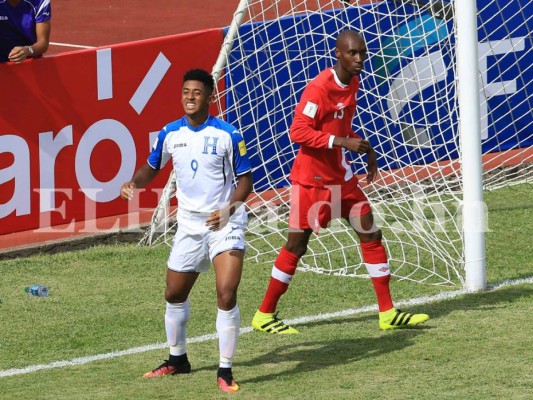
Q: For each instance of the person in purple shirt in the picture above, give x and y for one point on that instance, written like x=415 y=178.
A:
x=24 y=29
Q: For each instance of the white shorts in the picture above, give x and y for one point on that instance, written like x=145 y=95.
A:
x=195 y=246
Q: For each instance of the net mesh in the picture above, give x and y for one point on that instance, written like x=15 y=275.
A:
x=407 y=108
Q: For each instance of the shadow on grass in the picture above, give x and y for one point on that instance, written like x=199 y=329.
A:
x=487 y=300
x=316 y=355
x=308 y=356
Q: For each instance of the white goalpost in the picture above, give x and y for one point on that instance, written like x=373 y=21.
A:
x=470 y=142
x=445 y=99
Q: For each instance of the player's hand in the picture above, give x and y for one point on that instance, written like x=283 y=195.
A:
x=126 y=191
x=218 y=219
x=18 y=54
x=356 y=145
x=372 y=162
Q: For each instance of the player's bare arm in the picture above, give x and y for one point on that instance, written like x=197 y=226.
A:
x=142 y=177
x=372 y=170
x=20 y=53
x=361 y=146
x=357 y=145
x=218 y=219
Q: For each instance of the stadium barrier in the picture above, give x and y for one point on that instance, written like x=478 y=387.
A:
x=75 y=126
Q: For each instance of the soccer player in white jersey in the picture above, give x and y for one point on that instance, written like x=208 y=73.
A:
x=208 y=156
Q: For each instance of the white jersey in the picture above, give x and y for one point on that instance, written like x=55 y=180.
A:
x=206 y=160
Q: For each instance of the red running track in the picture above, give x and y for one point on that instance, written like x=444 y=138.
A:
x=105 y=22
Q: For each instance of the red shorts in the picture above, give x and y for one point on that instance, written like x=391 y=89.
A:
x=314 y=207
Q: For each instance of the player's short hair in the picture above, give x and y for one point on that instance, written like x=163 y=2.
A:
x=200 y=75
x=346 y=33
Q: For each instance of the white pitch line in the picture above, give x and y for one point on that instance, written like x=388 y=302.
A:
x=213 y=336
x=78 y=46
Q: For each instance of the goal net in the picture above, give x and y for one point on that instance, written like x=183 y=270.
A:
x=407 y=108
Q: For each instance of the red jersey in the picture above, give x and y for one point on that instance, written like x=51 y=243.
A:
x=326 y=108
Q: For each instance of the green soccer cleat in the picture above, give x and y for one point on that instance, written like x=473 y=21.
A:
x=269 y=323
x=395 y=318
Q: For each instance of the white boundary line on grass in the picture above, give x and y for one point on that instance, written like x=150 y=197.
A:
x=213 y=336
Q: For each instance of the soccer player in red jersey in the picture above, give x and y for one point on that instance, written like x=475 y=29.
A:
x=324 y=186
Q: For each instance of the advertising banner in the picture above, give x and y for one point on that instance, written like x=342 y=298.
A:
x=74 y=127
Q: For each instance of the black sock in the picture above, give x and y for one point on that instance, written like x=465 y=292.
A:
x=177 y=360
x=225 y=373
